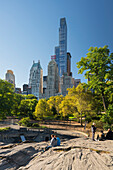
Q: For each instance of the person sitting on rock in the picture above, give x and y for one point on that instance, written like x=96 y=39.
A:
x=109 y=134
x=102 y=136
x=53 y=143
x=58 y=140
x=53 y=140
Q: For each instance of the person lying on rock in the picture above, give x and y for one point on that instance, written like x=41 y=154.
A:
x=53 y=142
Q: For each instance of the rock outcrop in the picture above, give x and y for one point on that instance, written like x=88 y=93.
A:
x=73 y=154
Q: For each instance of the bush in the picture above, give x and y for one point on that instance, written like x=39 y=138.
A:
x=4 y=129
x=57 y=117
x=88 y=118
x=107 y=126
x=25 y=122
x=35 y=125
x=98 y=124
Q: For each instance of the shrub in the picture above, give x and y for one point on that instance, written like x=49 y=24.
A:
x=88 y=118
x=25 y=122
x=35 y=125
x=4 y=129
x=98 y=124
x=107 y=126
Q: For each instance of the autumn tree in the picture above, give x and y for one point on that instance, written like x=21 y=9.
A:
x=81 y=101
x=66 y=107
x=42 y=109
x=54 y=102
x=30 y=96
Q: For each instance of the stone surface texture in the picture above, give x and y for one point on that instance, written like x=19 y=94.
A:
x=76 y=153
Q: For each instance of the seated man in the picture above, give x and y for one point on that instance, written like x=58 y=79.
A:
x=109 y=134
x=102 y=136
x=58 y=140
x=53 y=142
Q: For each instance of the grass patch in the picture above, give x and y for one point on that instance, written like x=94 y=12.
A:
x=39 y=127
x=4 y=129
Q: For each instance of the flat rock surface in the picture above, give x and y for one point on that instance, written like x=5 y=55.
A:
x=73 y=154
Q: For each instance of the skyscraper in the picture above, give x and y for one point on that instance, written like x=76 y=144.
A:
x=10 y=77
x=66 y=82
x=61 y=50
x=36 y=79
x=69 y=64
x=52 y=79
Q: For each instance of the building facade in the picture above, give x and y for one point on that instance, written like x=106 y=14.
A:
x=69 y=64
x=61 y=50
x=44 y=83
x=25 y=87
x=10 y=77
x=18 y=90
x=76 y=82
x=65 y=82
x=36 y=79
x=52 y=79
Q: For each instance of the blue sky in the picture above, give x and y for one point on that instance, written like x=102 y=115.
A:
x=29 y=30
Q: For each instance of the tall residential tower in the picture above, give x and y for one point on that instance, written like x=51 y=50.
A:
x=10 y=77
x=61 y=50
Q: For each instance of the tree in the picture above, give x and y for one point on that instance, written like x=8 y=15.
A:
x=66 y=108
x=108 y=117
x=16 y=103
x=81 y=100
x=30 y=96
x=54 y=102
x=27 y=107
x=98 y=67
x=6 y=98
x=42 y=109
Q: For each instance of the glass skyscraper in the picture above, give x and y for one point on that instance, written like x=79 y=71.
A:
x=61 y=50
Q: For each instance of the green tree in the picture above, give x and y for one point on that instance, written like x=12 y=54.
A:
x=42 y=109
x=27 y=107
x=6 y=98
x=66 y=108
x=98 y=67
x=30 y=96
x=16 y=103
x=108 y=117
x=82 y=101
x=54 y=102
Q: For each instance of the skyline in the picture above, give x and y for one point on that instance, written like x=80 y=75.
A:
x=30 y=31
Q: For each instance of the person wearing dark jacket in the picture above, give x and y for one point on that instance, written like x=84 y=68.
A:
x=109 y=134
x=93 y=129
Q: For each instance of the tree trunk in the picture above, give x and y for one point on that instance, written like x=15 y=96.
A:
x=81 y=119
x=103 y=100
